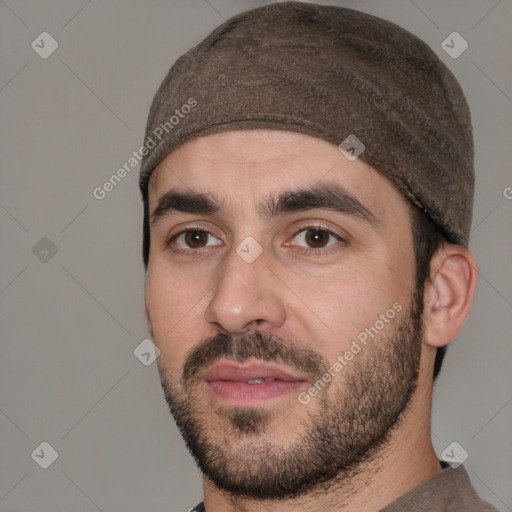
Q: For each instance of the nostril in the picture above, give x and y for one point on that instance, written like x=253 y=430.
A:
x=253 y=324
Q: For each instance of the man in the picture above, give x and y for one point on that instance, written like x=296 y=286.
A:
x=308 y=185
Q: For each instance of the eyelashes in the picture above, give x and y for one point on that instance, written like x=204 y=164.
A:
x=315 y=239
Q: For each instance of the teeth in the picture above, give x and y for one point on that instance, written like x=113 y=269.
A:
x=258 y=381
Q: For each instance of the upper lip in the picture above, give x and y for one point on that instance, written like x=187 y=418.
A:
x=244 y=372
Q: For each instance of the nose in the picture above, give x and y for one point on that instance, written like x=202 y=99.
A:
x=246 y=294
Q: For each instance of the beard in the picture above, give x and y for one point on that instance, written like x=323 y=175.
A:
x=347 y=423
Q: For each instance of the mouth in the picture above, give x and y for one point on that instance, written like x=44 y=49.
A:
x=250 y=383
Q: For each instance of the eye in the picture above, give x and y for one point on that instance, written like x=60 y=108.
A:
x=194 y=239
x=315 y=237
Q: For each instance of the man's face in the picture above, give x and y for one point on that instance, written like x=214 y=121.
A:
x=280 y=291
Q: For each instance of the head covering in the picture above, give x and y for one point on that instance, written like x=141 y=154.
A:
x=332 y=73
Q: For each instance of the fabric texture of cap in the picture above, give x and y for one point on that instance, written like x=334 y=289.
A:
x=332 y=73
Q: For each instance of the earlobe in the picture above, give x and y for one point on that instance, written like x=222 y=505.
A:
x=449 y=293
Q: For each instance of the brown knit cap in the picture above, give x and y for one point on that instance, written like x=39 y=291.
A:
x=328 y=72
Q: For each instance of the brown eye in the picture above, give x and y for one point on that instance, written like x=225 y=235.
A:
x=195 y=238
x=192 y=241
x=317 y=238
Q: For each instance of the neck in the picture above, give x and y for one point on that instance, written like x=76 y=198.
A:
x=406 y=461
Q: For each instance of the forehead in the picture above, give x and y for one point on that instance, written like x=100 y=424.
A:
x=244 y=165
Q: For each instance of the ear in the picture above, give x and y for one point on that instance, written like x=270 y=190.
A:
x=149 y=323
x=449 y=293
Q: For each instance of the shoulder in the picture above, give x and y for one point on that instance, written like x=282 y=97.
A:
x=450 y=490
x=465 y=497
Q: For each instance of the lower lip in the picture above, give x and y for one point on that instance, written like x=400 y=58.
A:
x=242 y=393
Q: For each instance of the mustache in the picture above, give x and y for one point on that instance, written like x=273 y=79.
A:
x=255 y=344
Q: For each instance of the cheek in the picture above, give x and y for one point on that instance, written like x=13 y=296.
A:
x=174 y=305
x=335 y=309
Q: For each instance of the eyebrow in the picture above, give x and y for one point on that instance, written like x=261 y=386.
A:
x=326 y=197
x=183 y=202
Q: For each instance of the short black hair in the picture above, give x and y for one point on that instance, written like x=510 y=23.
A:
x=145 y=228
x=427 y=238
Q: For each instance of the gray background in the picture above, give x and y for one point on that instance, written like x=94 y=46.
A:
x=71 y=321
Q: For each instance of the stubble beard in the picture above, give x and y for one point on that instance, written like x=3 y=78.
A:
x=345 y=429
